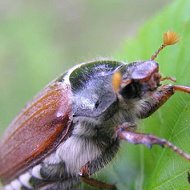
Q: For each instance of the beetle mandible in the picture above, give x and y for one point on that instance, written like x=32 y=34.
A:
x=74 y=126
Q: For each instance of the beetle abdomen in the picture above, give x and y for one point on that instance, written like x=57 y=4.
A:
x=24 y=181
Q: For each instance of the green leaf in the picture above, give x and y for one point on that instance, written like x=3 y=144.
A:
x=160 y=169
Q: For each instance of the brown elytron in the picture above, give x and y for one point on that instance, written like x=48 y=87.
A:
x=41 y=126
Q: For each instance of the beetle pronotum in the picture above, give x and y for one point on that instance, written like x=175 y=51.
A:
x=74 y=126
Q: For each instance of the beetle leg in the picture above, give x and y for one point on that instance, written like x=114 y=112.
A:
x=181 y=88
x=84 y=175
x=188 y=177
x=148 y=140
x=159 y=97
x=168 y=78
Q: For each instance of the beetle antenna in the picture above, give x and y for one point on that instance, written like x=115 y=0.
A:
x=169 y=38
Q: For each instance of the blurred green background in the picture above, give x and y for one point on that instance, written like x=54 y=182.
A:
x=41 y=39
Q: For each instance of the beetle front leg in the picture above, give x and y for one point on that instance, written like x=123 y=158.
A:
x=85 y=177
x=157 y=98
x=139 y=138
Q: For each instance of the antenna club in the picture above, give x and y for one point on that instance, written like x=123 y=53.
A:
x=170 y=38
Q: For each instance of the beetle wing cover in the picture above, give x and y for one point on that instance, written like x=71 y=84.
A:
x=37 y=131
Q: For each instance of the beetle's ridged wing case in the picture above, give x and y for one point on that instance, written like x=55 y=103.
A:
x=40 y=127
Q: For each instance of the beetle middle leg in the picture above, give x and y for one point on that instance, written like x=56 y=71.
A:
x=140 y=138
x=84 y=175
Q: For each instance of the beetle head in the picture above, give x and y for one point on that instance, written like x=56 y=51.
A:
x=139 y=77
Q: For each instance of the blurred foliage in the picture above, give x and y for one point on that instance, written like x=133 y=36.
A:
x=136 y=167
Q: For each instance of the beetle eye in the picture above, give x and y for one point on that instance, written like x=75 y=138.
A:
x=131 y=91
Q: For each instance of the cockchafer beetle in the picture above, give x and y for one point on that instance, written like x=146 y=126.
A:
x=75 y=125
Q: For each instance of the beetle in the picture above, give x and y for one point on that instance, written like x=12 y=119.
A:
x=74 y=126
